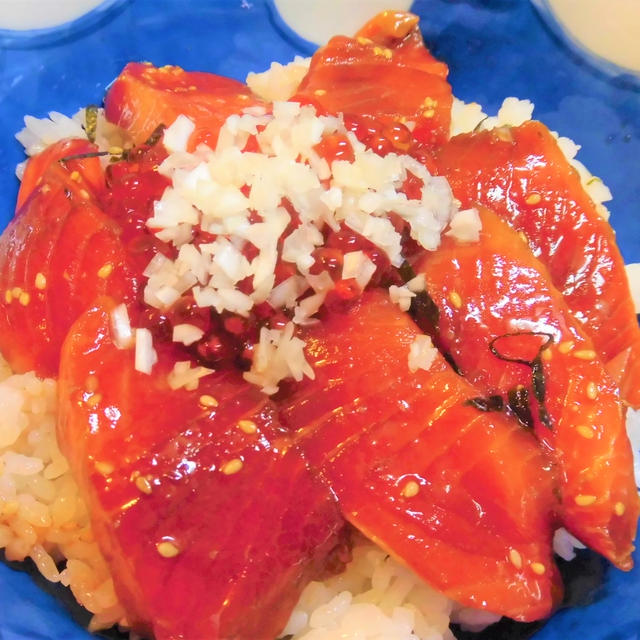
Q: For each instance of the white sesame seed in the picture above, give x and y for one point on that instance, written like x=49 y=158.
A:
x=516 y=558
x=538 y=568
x=566 y=346
x=105 y=270
x=619 y=508
x=143 y=485
x=585 y=432
x=231 y=467
x=167 y=549
x=584 y=500
x=247 y=426
x=585 y=354
x=208 y=401
x=455 y=299
x=104 y=468
x=533 y=198
x=410 y=489
x=40 y=281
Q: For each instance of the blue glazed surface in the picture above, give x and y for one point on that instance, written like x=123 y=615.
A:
x=495 y=48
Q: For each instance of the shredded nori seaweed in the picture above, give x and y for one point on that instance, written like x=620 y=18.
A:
x=519 y=404
x=80 y=156
x=490 y=403
x=519 y=401
x=155 y=136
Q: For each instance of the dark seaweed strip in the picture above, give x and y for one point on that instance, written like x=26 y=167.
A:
x=80 y=156
x=91 y=122
x=519 y=397
x=478 y=127
x=423 y=309
x=126 y=153
x=490 y=403
x=528 y=363
x=156 y=134
x=519 y=405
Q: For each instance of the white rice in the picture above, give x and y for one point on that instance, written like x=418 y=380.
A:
x=42 y=515
x=375 y=598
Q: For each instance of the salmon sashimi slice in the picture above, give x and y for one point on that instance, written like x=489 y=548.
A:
x=510 y=332
x=73 y=154
x=208 y=516
x=144 y=97
x=381 y=79
x=522 y=174
x=56 y=255
x=462 y=498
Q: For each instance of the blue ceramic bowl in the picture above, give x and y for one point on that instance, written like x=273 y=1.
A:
x=494 y=48
x=580 y=49
x=71 y=29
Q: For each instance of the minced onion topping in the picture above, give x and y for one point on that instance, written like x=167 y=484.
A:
x=145 y=354
x=278 y=355
x=422 y=353
x=237 y=196
x=465 y=226
x=121 y=329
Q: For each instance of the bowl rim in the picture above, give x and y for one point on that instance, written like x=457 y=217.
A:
x=27 y=38
x=604 y=65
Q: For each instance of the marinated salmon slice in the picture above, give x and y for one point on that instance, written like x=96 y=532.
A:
x=73 y=155
x=512 y=335
x=56 y=255
x=461 y=497
x=144 y=97
x=206 y=512
x=381 y=79
x=522 y=174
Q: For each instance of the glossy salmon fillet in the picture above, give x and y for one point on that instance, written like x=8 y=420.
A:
x=206 y=512
x=511 y=334
x=71 y=154
x=385 y=76
x=522 y=174
x=56 y=255
x=144 y=97
x=437 y=484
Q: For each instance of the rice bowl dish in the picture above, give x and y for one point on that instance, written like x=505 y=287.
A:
x=45 y=517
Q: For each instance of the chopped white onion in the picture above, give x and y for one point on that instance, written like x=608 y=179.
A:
x=121 y=330
x=145 y=354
